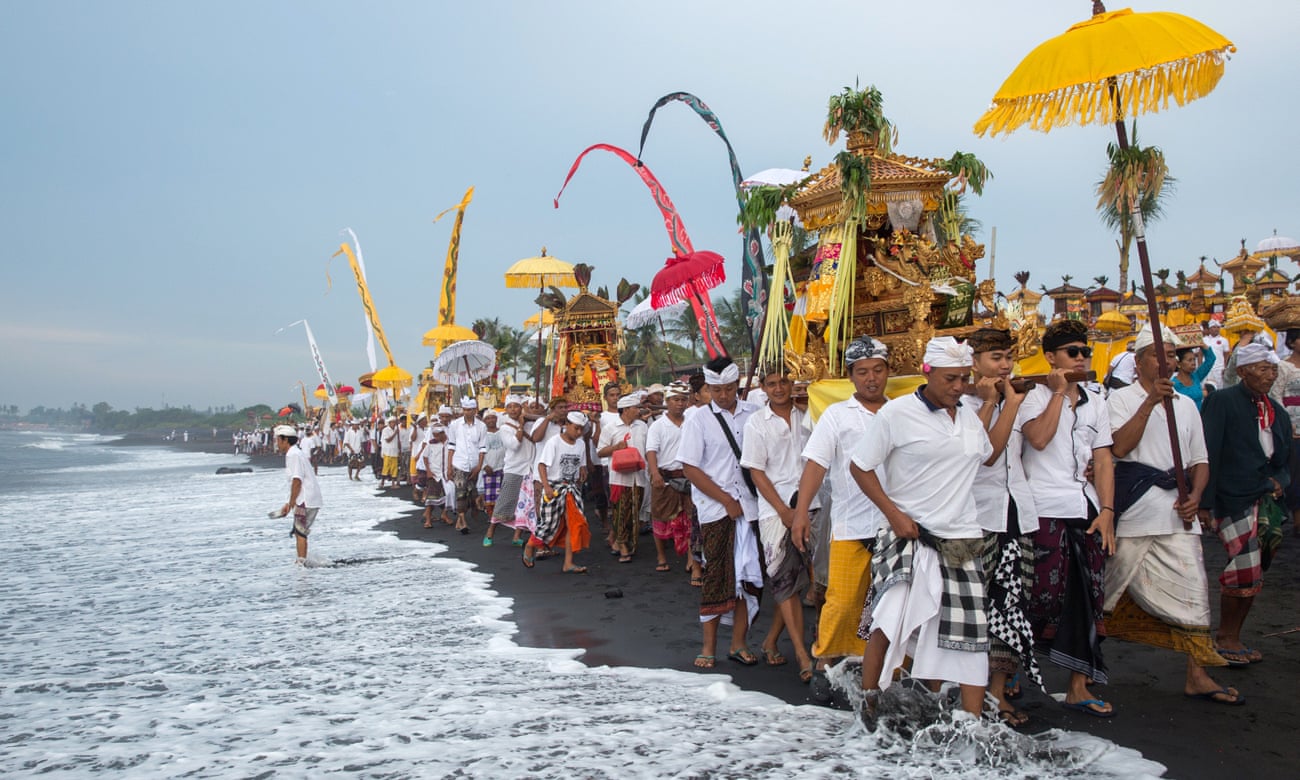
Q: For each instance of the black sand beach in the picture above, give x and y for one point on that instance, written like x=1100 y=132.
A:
x=653 y=625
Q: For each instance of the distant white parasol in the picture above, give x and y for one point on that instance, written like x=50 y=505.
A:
x=778 y=177
x=643 y=314
x=1278 y=246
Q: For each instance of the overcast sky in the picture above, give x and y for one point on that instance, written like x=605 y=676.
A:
x=176 y=174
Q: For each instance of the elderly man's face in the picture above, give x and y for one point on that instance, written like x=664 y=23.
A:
x=1148 y=366
x=1258 y=377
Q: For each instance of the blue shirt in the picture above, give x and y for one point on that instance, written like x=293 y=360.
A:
x=1196 y=391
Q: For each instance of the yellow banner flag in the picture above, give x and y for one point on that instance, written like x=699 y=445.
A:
x=371 y=313
x=447 y=301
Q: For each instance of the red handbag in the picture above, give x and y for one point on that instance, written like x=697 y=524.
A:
x=626 y=460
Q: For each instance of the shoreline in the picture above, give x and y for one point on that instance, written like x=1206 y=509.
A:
x=653 y=625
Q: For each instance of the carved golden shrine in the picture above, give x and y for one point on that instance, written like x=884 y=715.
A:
x=587 y=350
x=909 y=285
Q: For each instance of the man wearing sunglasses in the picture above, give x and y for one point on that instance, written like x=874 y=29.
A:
x=1067 y=427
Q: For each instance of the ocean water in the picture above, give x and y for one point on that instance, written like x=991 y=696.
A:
x=152 y=624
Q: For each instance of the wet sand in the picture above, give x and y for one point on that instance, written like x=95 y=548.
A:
x=653 y=625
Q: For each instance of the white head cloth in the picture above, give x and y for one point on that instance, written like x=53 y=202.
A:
x=444 y=409
x=724 y=377
x=676 y=389
x=468 y=403
x=629 y=400
x=1145 y=338
x=514 y=399
x=577 y=418
x=947 y=352
x=1255 y=353
x=285 y=430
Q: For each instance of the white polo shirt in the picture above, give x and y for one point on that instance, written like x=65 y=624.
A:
x=388 y=445
x=774 y=446
x=663 y=439
x=930 y=460
x=297 y=465
x=636 y=433
x=831 y=445
x=705 y=446
x=466 y=441
x=1153 y=514
x=997 y=485
x=1056 y=472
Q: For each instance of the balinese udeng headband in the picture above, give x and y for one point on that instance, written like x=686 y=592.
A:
x=1255 y=353
x=724 y=377
x=676 y=389
x=285 y=430
x=514 y=399
x=1145 y=338
x=577 y=418
x=989 y=339
x=947 y=352
x=865 y=348
x=444 y=409
x=629 y=400
x=468 y=403
x=1063 y=332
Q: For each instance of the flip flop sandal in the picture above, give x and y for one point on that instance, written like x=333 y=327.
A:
x=1085 y=707
x=663 y=567
x=743 y=656
x=575 y=570
x=1012 y=690
x=529 y=562
x=624 y=559
x=707 y=659
x=1236 y=659
x=1209 y=696
x=773 y=657
x=1013 y=719
x=806 y=675
x=487 y=541
x=697 y=582
x=518 y=543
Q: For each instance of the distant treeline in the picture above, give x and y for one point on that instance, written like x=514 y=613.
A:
x=104 y=418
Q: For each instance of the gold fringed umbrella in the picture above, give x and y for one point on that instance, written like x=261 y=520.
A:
x=443 y=335
x=539 y=273
x=1101 y=71
x=391 y=378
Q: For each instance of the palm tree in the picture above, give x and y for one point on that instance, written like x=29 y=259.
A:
x=1138 y=175
x=731 y=321
x=683 y=327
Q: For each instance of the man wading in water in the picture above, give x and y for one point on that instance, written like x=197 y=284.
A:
x=304 y=491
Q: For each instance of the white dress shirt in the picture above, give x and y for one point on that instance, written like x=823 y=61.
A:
x=704 y=446
x=1056 y=472
x=1153 y=514
x=519 y=453
x=297 y=465
x=831 y=445
x=663 y=439
x=636 y=433
x=997 y=485
x=466 y=441
x=930 y=460
x=773 y=446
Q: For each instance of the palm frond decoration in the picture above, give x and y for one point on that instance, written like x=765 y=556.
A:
x=856 y=110
x=855 y=183
x=1136 y=177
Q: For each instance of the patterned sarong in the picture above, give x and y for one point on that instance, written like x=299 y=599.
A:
x=491 y=487
x=1065 y=604
x=718 y=594
x=503 y=513
x=1010 y=560
x=464 y=487
x=560 y=521
x=1243 y=577
x=625 y=515
x=963 y=617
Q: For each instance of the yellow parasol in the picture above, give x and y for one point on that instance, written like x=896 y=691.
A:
x=391 y=378
x=538 y=273
x=443 y=335
x=1112 y=323
x=545 y=316
x=1100 y=71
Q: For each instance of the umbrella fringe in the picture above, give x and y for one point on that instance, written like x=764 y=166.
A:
x=1146 y=91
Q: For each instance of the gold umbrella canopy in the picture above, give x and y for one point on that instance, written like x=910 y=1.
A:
x=1115 y=65
x=1112 y=323
x=445 y=334
x=538 y=272
x=391 y=378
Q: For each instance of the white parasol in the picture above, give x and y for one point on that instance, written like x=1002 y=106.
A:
x=465 y=362
x=644 y=314
x=1278 y=246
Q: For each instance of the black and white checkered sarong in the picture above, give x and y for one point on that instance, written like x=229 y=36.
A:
x=963 y=614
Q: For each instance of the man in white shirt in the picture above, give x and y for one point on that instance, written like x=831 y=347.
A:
x=516 y=470
x=1122 y=372
x=928 y=595
x=774 y=437
x=1216 y=341
x=1067 y=428
x=352 y=450
x=390 y=449
x=561 y=470
x=433 y=456
x=710 y=455
x=853 y=520
x=1157 y=591
x=415 y=464
x=626 y=482
x=1005 y=510
x=670 y=492
x=489 y=479
x=466 y=448
x=304 y=491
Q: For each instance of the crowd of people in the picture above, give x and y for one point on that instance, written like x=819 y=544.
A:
x=963 y=531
